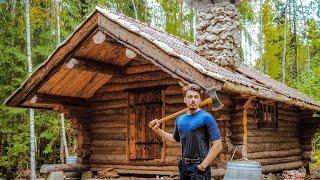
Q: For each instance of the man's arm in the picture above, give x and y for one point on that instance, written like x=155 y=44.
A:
x=213 y=153
x=155 y=127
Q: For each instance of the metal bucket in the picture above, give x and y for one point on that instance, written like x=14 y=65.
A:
x=243 y=170
x=72 y=160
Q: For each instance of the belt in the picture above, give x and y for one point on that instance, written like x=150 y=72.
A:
x=191 y=161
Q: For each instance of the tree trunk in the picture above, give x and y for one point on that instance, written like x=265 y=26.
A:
x=306 y=38
x=284 y=45
x=63 y=140
x=61 y=150
x=135 y=9
x=260 y=37
x=31 y=111
x=295 y=40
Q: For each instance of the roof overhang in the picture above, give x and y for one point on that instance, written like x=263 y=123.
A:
x=122 y=33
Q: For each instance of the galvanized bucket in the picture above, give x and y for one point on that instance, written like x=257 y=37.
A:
x=243 y=170
x=72 y=160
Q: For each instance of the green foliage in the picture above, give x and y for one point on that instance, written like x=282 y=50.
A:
x=171 y=15
x=246 y=11
x=179 y=19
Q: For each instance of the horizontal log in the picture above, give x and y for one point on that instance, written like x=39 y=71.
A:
x=108 y=143
x=176 y=99
x=134 y=85
x=262 y=139
x=108 y=130
x=288 y=118
x=109 y=124
x=121 y=160
x=103 y=96
x=239 y=129
x=160 y=170
x=162 y=167
x=108 y=118
x=54 y=99
x=108 y=150
x=281 y=167
x=259 y=133
x=109 y=136
x=269 y=161
x=109 y=111
x=150 y=76
x=93 y=66
x=271 y=146
x=173 y=151
x=83 y=153
x=288 y=107
x=174 y=108
x=173 y=90
x=109 y=104
x=288 y=112
x=172 y=145
x=47 y=168
x=274 y=154
x=253 y=121
x=141 y=69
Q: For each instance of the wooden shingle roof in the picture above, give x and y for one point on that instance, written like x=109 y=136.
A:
x=243 y=80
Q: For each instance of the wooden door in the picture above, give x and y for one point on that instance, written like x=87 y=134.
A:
x=144 y=106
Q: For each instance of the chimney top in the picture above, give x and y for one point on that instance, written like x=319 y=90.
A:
x=218 y=35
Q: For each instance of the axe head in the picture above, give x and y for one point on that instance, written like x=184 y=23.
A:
x=216 y=104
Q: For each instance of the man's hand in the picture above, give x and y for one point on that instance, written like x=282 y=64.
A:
x=201 y=168
x=154 y=125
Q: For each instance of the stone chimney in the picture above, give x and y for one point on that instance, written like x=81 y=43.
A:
x=218 y=35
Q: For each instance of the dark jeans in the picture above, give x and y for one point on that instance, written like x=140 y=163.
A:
x=192 y=172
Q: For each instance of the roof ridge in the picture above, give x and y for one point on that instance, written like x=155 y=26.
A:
x=186 y=42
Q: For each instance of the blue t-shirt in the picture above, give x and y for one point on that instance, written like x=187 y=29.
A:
x=194 y=132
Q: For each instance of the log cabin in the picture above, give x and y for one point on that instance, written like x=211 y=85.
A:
x=115 y=74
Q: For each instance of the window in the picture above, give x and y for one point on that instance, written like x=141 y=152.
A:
x=267 y=115
x=144 y=106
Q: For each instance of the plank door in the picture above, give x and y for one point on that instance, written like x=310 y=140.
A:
x=144 y=106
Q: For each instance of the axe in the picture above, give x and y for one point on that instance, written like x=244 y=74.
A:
x=213 y=99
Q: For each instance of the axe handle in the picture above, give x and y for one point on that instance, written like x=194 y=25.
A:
x=203 y=103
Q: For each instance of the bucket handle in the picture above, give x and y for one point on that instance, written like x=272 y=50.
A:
x=234 y=151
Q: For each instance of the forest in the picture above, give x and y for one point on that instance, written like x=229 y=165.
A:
x=280 y=38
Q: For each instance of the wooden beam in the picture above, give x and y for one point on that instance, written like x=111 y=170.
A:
x=93 y=66
x=99 y=37
x=130 y=54
x=46 y=70
x=54 y=99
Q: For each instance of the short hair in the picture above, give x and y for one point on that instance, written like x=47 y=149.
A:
x=192 y=87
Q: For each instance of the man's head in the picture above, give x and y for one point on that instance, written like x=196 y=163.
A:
x=192 y=96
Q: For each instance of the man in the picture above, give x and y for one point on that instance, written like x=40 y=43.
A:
x=193 y=129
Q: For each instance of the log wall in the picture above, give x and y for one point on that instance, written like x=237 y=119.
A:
x=79 y=117
x=109 y=120
x=309 y=125
x=109 y=117
x=276 y=150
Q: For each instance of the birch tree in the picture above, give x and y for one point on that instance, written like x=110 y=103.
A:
x=63 y=140
x=31 y=111
x=284 y=44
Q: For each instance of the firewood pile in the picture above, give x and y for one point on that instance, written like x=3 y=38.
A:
x=293 y=175
x=108 y=173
